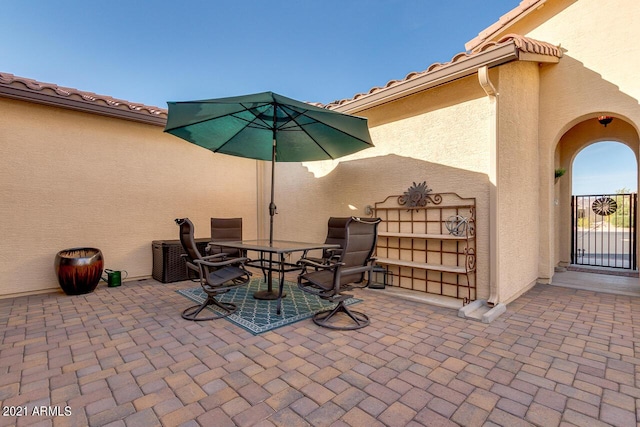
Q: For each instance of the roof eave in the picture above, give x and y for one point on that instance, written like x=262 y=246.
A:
x=35 y=96
x=491 y=58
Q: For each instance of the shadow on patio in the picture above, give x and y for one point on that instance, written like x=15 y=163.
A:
x=124 y=357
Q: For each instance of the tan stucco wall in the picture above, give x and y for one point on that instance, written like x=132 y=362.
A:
x=537 y=104
x=440 y=136
x=601 y=37
x=518 y=206
x=70 y=179
x=445 y=136
x=596 y=75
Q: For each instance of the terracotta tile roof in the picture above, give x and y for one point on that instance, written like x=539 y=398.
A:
x=521 y=44
x=524 y=8
x=49 y=93
x=52 y=94
x=526 y=45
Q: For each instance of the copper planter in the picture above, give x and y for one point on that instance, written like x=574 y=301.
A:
x=79 y=270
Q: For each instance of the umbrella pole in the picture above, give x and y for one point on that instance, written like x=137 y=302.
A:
x=272 y=205
x=268 y=294
x=272 y=213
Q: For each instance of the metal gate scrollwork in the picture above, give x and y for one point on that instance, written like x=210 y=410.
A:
x=603 y=230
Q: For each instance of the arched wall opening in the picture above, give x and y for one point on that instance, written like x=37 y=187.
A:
x=603 y=207
x=583 y=134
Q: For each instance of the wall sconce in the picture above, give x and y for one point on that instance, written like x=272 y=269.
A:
x=605 y=120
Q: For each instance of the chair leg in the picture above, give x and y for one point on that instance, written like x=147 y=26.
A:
x=191 y=313
x=360 y=320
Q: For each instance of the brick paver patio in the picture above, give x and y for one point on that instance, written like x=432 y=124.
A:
x=124 y=357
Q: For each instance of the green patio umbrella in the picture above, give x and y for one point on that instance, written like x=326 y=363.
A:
x=268 y=126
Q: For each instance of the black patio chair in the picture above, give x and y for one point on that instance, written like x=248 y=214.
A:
x=216 y=274
x=331 y=280
x=335 y=235
x=225 y=230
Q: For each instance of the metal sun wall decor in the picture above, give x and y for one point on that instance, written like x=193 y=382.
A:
x=418 y=196
x=604 y=206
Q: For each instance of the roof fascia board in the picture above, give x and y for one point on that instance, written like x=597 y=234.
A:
x=73 y=104
x=491 y=58
x=536 y=57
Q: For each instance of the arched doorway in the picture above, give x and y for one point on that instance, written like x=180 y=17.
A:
x=583 y=134
x=603 y=206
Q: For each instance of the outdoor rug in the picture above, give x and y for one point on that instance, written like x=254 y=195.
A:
x=259 y=316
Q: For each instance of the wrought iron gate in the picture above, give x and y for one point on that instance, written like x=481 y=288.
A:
x=603 y=230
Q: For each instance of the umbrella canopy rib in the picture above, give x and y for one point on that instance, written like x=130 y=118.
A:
x=302 y=127
x=249 y=124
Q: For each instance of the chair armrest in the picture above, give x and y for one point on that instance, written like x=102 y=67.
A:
x=191 y=266
x=334 y=252
x=307 y=262
x=359 y=269
x=206 y=258
x=222 y=263
x=210 y=257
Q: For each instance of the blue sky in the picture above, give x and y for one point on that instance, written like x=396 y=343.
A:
x=604 y=168
x=151 y=52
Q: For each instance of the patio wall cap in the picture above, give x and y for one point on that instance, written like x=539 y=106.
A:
x=508 y=48
x=30 y=90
